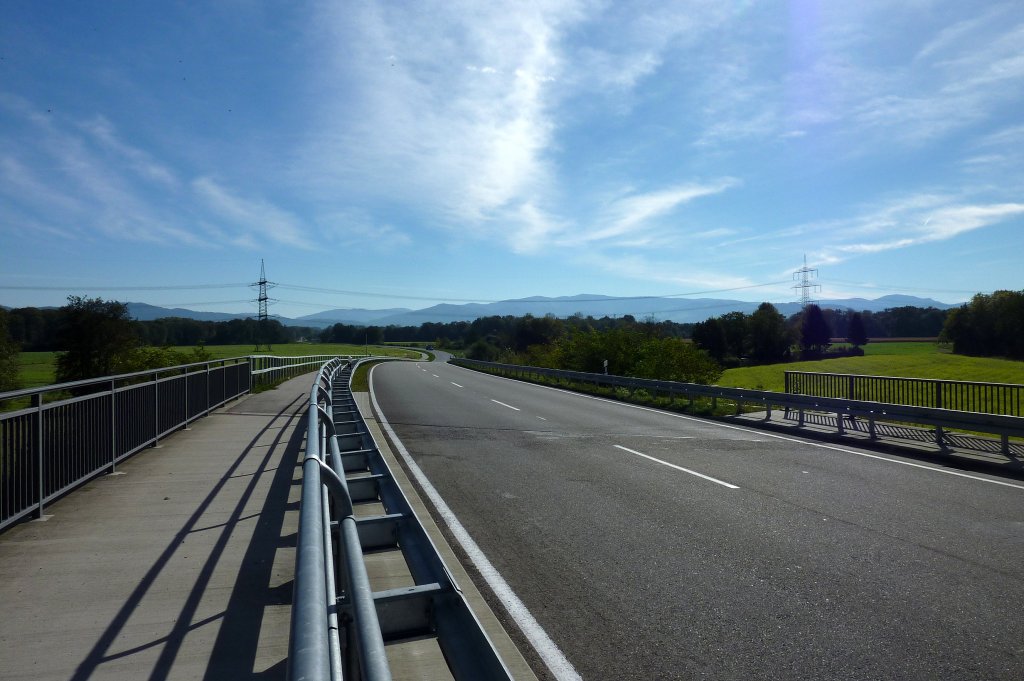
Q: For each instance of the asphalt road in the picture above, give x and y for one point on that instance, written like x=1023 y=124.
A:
x=790 y=560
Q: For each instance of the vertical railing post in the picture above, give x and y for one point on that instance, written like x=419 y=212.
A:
x=113 y=426
x=185 y=424
x=156 y=409
x=37 y=402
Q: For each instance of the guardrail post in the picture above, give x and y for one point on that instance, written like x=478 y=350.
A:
x=839 y=423
x=940 y=437
x=1006 y=444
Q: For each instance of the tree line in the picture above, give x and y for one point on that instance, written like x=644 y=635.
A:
x=988 y=326
x=39 y=330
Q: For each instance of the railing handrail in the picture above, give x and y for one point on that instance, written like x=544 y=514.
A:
x=58 y=387
x=315 y=647
x=432 y=606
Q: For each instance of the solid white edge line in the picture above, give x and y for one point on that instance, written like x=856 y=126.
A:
x=678 y=468
x=773 y=435
x=548 y=650
x=506 y=405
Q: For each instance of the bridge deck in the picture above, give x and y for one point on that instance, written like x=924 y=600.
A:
x=179 y=566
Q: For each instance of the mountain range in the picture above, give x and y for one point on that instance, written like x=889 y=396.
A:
x=681 y=310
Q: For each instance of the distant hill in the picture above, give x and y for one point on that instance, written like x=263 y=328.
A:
x=353 y=317
x=681 y=310
x=145 y=312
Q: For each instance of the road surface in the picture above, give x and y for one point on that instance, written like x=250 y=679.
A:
x=651 y=545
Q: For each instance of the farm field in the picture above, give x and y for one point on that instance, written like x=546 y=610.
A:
x=908 y=359
x=39 y=368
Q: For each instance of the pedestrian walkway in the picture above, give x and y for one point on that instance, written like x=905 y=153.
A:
x=178 y=566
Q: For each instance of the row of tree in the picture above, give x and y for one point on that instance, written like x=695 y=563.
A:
x=39 y=330
x=503 y=332
x=989 y=325
x=629 y=348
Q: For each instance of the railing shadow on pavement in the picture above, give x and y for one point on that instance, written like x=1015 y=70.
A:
x=234 y=629
x=955 y=439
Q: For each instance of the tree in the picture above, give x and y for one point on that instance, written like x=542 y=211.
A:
x=709 y=336
x=737 y=333
x=673 y=359
x=855 y=332
x=769 y=335
x=988 y=326
x=97 y=337
x=8 y=356
x=814 y=332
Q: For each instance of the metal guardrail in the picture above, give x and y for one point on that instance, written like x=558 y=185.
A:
x=973 y=396
x=70 y=432
x=340 y=627
x=1004 y=426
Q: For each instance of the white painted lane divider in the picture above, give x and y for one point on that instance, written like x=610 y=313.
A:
x=455 y=384
x=678 y=468
x=506 y=405
x=435 y=375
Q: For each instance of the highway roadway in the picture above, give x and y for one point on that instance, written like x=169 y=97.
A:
x=647 y=545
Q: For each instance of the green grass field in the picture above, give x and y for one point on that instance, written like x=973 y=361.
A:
x=908 y=360
x=39 y=368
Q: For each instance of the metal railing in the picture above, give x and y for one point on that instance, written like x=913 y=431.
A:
x=340 y=627
x=972 y=396
x=271 y=368
x=940 y=419
x=60 y=436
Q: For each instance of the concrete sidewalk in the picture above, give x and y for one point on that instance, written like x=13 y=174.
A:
x=179 y=566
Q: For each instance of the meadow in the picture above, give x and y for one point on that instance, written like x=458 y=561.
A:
x=904 y=359
x=39 y=368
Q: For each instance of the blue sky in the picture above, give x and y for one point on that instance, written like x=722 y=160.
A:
x=401 y=154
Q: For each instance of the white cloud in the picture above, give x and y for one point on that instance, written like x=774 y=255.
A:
x=143 y=163
x=912 y=222
x=664 y=271
x=460 y=125
x=356 y=228
x=634 y=213
x=251 y=218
